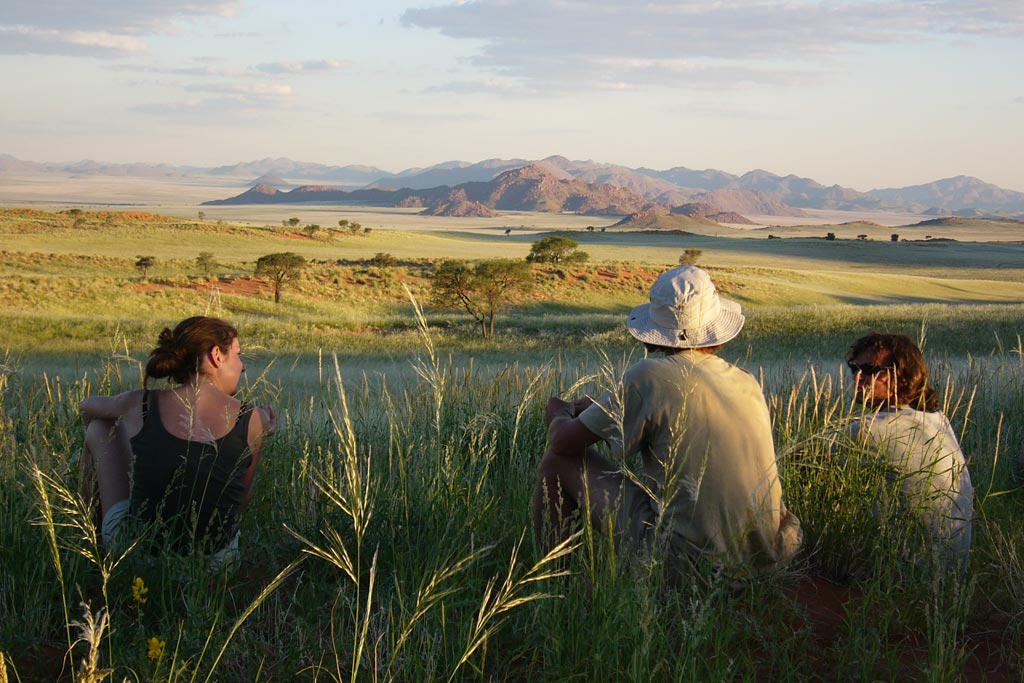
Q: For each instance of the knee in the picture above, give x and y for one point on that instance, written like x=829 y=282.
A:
x=548 y=467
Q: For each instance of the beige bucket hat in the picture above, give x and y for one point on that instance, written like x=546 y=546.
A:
x=685 y=312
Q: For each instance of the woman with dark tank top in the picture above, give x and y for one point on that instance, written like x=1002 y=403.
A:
x=181 y=460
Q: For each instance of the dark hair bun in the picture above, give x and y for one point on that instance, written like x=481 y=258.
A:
x=179 y=352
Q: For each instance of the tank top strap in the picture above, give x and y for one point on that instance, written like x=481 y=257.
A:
x=241 y=428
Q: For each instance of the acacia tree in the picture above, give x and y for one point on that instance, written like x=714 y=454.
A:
x=144 y=263
x=279 y=268
x=482 y=290
x=206 y=262
x=556 y=249
x=689 y=257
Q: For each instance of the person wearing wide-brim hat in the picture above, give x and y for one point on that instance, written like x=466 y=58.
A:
x=709 y=488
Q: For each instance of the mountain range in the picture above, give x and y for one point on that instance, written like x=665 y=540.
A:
x=528 y=188
x=754 y=192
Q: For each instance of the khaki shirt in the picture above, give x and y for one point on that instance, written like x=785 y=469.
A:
x=703 y=431
x=923 y=451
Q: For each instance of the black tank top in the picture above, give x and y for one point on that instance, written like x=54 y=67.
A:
x=189 y=491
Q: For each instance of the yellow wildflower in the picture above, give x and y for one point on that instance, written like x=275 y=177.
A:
x=156 y=648
x=139 y=590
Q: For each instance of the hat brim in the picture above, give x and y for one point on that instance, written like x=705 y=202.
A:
x=720 y=330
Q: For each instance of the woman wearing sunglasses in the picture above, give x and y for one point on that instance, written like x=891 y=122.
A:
x=904 y=424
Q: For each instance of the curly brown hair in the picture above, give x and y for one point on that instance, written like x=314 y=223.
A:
x=907 y=365
x=179 y=352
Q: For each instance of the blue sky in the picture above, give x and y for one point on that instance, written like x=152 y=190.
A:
x=863 y=93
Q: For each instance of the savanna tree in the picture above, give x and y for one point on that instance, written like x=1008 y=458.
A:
x=279 y=268
x=144 y=263
x=689 y=257
x=206 y=262
x=482 y=290
x=556 y=249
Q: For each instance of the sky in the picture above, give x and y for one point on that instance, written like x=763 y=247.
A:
x=861 y=93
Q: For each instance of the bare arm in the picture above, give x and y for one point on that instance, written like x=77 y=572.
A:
x=566 y=434
x=262 y=425
x=122 y=406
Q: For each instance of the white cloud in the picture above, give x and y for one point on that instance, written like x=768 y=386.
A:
x=256 y=93
x=481 y=87
x=201 y=70
x=117 y=16
x=211 y=102
x=302 y=67
x=96 y=27
x=692 y=42
x=28 y=39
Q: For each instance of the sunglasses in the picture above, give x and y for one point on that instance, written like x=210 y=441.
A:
x=867 y=368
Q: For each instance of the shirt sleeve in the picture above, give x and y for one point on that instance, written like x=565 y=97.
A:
x=616 y=417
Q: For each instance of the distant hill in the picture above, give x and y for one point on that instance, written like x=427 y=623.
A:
x=749 y=202
x=531 y=188
x=10 y=165
x=450 y=174
x=353 y=175
x=963 y=221
x=271 y=179
x=457 y=206
x=776 y=195
x=708 y=179
x=711 y=212
x=954 y=195
x=660 y=218
x=805 y=193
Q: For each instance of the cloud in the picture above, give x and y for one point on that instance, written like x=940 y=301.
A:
x=201 y=111
x=116 y=16
x=302 y=67
x=255 y=94
x=481 y=87
x=95 y=28
x=30 y=40
x=210 y=102
x=200 y=70
x=1019 y=100
x=409 y=118
x=574 y=44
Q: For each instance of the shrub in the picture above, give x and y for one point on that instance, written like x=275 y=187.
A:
x=689 y=257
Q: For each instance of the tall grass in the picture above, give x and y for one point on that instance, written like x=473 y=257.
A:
x=406 y=493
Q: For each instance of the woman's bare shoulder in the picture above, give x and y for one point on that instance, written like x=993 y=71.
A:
x=111 y=407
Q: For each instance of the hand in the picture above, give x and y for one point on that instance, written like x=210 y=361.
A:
x=556 y=408
x=581 y=404
x=269 y=420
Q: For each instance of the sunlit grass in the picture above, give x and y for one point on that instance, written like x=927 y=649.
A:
x=408 y=489
x=404 y=464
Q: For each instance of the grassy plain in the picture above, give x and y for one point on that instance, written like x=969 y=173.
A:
x=401 y=479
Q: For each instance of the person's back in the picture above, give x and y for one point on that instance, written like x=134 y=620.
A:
x=906 y=428
x=191 y=489
x=183 y=459
x=935 y=483
x=703 y=430
x=710 y=484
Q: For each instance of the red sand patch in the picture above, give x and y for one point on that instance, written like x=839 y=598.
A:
x=240 y=286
